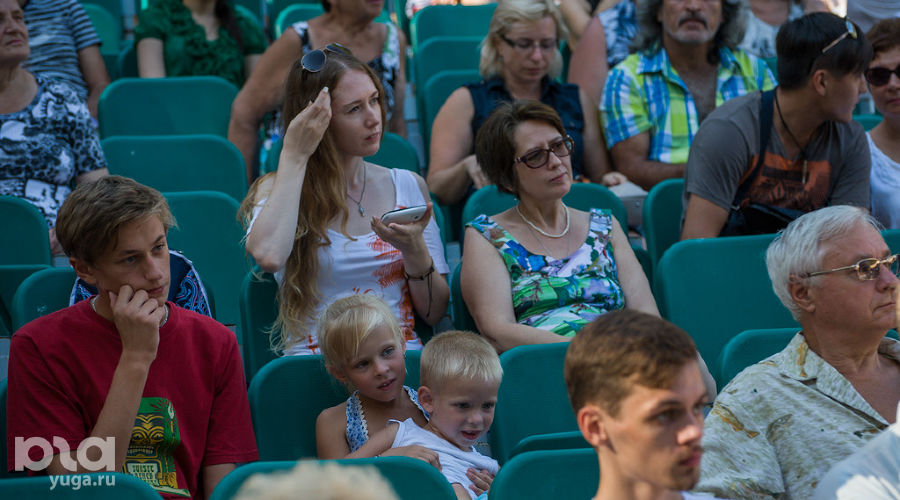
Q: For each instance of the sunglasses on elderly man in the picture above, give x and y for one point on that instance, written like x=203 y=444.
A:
x=315 y=60
x=878 y=76
x=868 y=269
x=539 y=157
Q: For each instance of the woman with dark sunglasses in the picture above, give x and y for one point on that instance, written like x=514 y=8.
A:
x=541 y=270
x=883 y=77
x=315 y=222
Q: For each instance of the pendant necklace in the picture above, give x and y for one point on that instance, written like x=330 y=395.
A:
x=545 y=233
x=362 y=213
x=793 y=138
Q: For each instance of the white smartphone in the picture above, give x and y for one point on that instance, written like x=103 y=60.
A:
x=404 y=215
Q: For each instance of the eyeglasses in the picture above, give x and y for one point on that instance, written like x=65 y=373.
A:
x=315 y=60
x=878 y=76
x=851 y=32
x=867 y=269
x=539 y=157
x=526 y=45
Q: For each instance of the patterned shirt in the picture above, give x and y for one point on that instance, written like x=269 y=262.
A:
x=782 y=423
x=560 y=295
x=620 y=27
x=645 y=93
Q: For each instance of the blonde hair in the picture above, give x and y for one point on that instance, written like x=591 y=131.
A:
x=519 y=11
x=318 y=481
x=322 y=199
x=458 y=355
x=346 y=324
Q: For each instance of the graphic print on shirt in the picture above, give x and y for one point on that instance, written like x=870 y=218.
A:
x=390 y=273
x=151 y=452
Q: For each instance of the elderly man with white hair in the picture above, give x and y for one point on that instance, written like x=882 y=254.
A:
x=780 y=424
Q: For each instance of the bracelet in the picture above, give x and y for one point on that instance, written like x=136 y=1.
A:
x=422 y=277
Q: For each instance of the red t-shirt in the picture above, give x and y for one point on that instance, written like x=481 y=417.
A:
x=193 y=413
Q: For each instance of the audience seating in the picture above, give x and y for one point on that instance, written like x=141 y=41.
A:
x=107 y=26
x=718 y=287
x=209 y=234
x=435 y=92
x=443 y=53
x=868 y=121
x=568 y=440
x=293 y=13
x=892 y=238
x=171 y=106
x=179 y=163
x=456 y=20
x=412 y=479
x=24 y=249
x=259 y=309
x=11 y=277
x=112 y=7
x=287 y=395
x=255 y=7
x=548 y=474
x=532 y=397
x=462 y=320
x=662 y=217
x=4 y=458
x=126 y=62
x=109 y=486
x=42 y=293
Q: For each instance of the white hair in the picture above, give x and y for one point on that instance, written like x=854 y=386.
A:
x=313 y=480
x=799 y=249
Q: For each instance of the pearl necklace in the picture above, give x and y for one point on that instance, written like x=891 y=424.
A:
x=545 y=233
x=94 y=307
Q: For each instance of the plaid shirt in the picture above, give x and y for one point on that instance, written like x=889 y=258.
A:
x=644 y=92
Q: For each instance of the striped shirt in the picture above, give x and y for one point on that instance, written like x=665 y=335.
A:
x=645 y=93
x=57 y=30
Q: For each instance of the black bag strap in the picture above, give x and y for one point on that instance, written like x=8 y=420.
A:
x=765 y=131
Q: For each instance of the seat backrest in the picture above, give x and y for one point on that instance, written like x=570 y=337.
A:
x=462 y=320
x=750 y=347
x=548 y=474
x=108 y=28
x=126 y=62
x=435 y=92
x=209 y=234
x=892 y=238
x=532 y=379
x=447 y=20
x=254 y=9
x=662 y=217
x=259 y=310
x=102 y=486
x=396 y=152
x=10 y=278
x=868 y=121
x=42 y=293
x=287 y=395
x=25 y=238
x=179 y=163
x=113 y=7
x=412 y=479
x=166 y=106
x=716 y=288
x=567 y=440
x=444 y=53
x=295 y=13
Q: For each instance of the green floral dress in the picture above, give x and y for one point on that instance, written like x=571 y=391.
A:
x=186 y=50
x=560 y=295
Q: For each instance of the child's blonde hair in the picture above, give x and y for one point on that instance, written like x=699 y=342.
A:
x=320 y=481
x=458 y=355
x=346 y=324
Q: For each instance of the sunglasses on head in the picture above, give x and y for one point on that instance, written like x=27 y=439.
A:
x=315 y=60
x=850 y=32
x=868 y=269
x=879 y=76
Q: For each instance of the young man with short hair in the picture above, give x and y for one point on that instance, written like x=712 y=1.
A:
x=166 y=383
x=638 y=396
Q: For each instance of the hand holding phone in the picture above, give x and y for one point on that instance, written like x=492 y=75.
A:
x=404 y=215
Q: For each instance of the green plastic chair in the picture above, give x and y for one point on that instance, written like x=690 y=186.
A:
x=396 y=152
x=259 y=309
x=444 y=53
x=179 y=163
x=569 y=440
x=532 y=379
x=288 y=394
x=166 y=106
x=662 y=217
x=11 y=277
x=455 y=20
x=462 y=320
x=25 y=238
x=42 y=293
x=252 y=9
x=103 y=486
x=107 y=26
x=772 y=63
x=126 y=62
x=209 y=234
x=4 y=458
x=868 y=121
x=436 y=91
x=296 y=12
x=112 y=7
x=548 y=474
x=716 y=288
x=892 y=238
x=412 y=479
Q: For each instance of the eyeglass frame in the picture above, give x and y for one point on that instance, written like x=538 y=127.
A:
x=890 y=261
x=895 y=71
x=306 y=60
x=567 y=141
x=851 y=32
x=534 y=43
